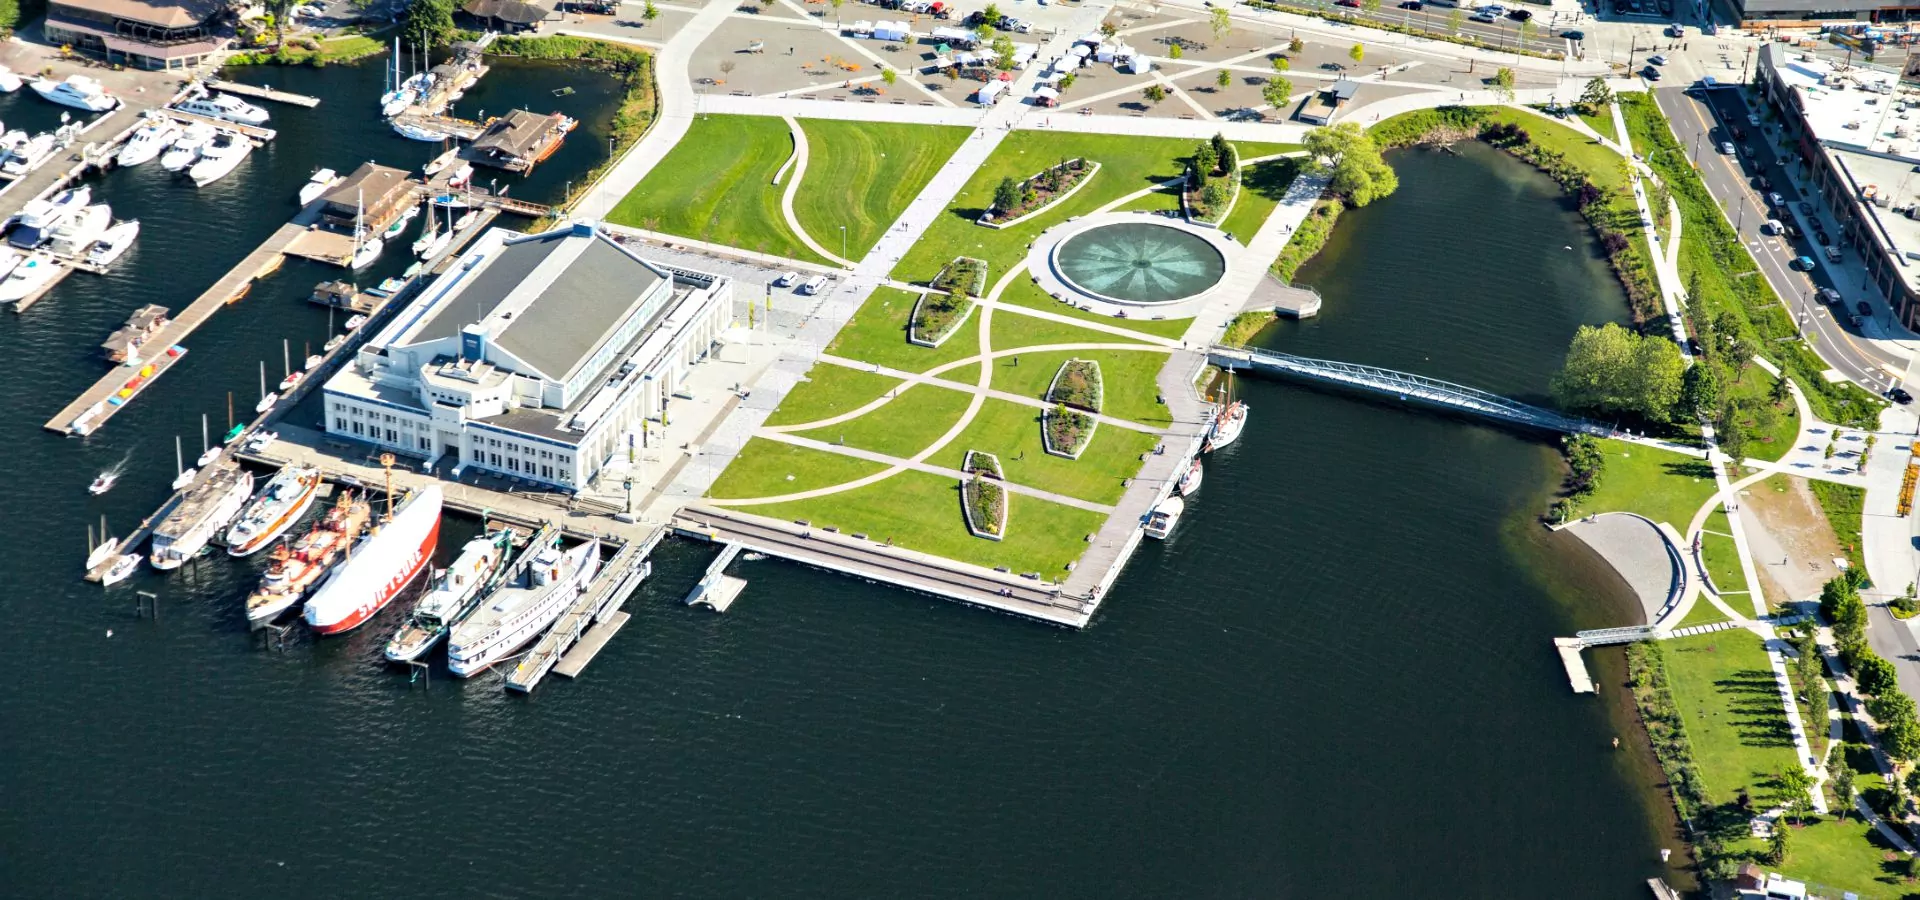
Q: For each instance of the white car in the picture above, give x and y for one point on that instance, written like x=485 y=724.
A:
x=786 y=279
x=1727 y=148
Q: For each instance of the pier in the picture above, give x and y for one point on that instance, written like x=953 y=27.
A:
x=253 y=131
x=263 y=93
x=717 y=590
x=597 y=604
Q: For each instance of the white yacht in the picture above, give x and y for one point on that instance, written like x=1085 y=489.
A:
x=542 y=584
x=186 y=148
x=225 y=107
x=78 y=91
x=420 y=132
x=28 y=154
x=394 y=103
x=323 y=179
x=147 y=143
x=30 y=275
x=114 y=243
x=9 y=82
x=77 y=234
x=9 y=258
x=367 y=252
x=220 y=156
x=1160 y=522
x=39 y=217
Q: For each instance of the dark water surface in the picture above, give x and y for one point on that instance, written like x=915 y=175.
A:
x=1335 y=681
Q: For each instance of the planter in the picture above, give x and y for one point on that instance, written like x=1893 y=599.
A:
x=964 y=276
x=1075 y=431
x=983 y=502
x=980 y=462
x=922 y=337
x=1077 y=385
x=1086 y=174
x=1187 y=209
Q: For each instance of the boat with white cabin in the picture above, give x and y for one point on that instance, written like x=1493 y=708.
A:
x=473 y=575
x=38 y=218
x=29 y=154
x=148 y=142
x=186 y=148
x=225 y=107
x=77 y=91
x=1164 y=517
x=541 y=585
x=114 y=243
x=200 y=515
x=219 y=157
x=32 y=274
x=76 y=234
x=1190 y=481
x=323 y=179
x=281 y=503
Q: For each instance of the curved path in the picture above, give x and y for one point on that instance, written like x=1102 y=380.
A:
x=799 y=170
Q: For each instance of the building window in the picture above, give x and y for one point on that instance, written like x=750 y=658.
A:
x=426 y=443
x=356 y=428
x=339 y=423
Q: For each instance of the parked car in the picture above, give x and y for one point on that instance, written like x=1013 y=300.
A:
x=1864 y=308
x=1801 y=264
x=1820 y=237
x=1772 y=226
x=1806 y=208
x=1899 y=395
x=1829 y=296
x=1774 y=199
x=786 y=279
x=1414 y=5
x=1483 y=16
x=1520 y=15
x=1753 y=119
x=1574 y=35
x=1727 y=148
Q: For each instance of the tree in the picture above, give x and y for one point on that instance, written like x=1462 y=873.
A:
x=991 y=15
x=1205 y=159
x=1296 y=45
x=1358 y=53
x=650 y=12
x=1795 y=792
x=1699 y=392
x=1282 y=64
x=1595 y=96
x=1780 y=393
x=888 y=76
x=1154 y=93
x=278 y=10
x=1454 y=19
x=1277 y=92
x=1221 y=22
x=1174 y=50
x=1812 y=673
x=1066 y=81
x=1901 y=739
x=1003 y=53
x=1108 y=29
x=1214 y=195
x=429 y=23
x=1503 y=84
x=1227 y=158
x=1224 y=79
x=1840 y=776
x=1353 y=162
x=1777 y=844
x=1006 y=195
x=836 y=9
x=1873 y=674
x=1611 y=369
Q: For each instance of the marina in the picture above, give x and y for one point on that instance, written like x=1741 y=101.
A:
x=262 y=93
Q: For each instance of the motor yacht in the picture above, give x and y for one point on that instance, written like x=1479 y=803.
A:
x=78 y=91
x=148 y=142
x=186 y=148
x=220 y=156
x=114 y=243
x=224 y=107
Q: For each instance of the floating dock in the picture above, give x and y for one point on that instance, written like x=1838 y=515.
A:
x=717 y=590
x=1576 y=666
x=598 y=603
x=62 y=268
x=464 y=129
x=263 y=93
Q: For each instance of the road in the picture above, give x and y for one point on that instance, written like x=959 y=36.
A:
x=1702 y=124
x=1501 y=34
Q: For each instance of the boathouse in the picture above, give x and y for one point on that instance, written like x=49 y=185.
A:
x=124 y=345
x=377 y=193
x=533 y=357
x=162 y=34
x=519 y=140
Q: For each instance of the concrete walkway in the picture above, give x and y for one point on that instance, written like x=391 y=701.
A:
x=904 y=465
x=932 y=377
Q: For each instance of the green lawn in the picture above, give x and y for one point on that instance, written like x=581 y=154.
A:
x=921 y=511
x=829 y=391
x=1841 y=504
x=1702 y=613
x=767 y=468
x=1126 y=376
x=968 y=374
x=1726 y=694
x=1164 y=200
x=1261 y=187
x=1845 y=855
x=1720 y=555
x=1603 y=123
x=717 y=185
x=878 y=334
x=1768 y=440
x=1011 y=330
x=1127 y=164
x=863 y=174
x=903 y=427
x=1012 y=432
x=1026 y=292
x=1604 y=165
x=1663 y=486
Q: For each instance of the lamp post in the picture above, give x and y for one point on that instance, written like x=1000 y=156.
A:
x=843 y=242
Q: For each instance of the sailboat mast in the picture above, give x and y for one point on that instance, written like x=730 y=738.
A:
x=179 y=458
x=263 y=379
x=203 y=432
x=285 y=363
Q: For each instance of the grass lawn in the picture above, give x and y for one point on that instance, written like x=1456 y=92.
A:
x=1126 y=376
x=1725 y=692
x=1841 y=503
x=767 y=468
x=1702 y=613
x=903 y=427
x=921 y=511
x=1127 y=164
x=717 y=185
x=1025 y=292
x=863 y=175
x=1663 y=486
x=1012 y=432
x=1722 y=558
x=1165 y=200
x=1765 y=440
x=1011 y=330
x=1603 y=164
x=1846 y=855
x=1602 y=123
x=829 y=391
x=878 y=334
x=1261 y=187
x=968 y=374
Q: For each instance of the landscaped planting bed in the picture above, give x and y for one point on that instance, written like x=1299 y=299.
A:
x=1077 y=385
x=1213 y=182
x=964 y=276
x=983 y=500
x=1039 y=191
x=936 y=317
x=980 y=462
x=1066 y=432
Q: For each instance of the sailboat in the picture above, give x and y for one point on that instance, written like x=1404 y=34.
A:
x=365 y=249
x=427 y=233
x=396 y=100
x=436 y=241
x=266 y=400
x=180 y=460
x=103 y=551
x=233 y=431
x=1228 y=421
x=208 y=452
x=313 y=359
x=286 y=362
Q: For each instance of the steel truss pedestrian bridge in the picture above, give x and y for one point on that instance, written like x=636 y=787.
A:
x=1403 y=385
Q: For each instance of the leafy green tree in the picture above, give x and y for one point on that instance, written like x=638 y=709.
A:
x=1795 y=792
x=1503 y=84
x=1874 y=675
x=1214 y=195
x=1205 y=159
x=1840 y=779
x=1699 y=392
x=1349 y=155
x=1611 y=369
x=1296 y=45
x=1220 y=22
x=991 y=15
x=1226 y=158
x=1224 y=79
x=1811 y=671
x=889 y=76
x=1175 y=51
x=1006 y=195
x=1901 y=739
x=650 y=12
x=1454 y=19
x=1066 y=81
x=10 y=16
x=1777 y=844
x=1358 y=52
x=1780 y=393
x=1526 y=33
x=1003 y=53
x=429 y=23
x=1282 y=64
x=1154 y=93
x=1596 y=96
x=1277 y=92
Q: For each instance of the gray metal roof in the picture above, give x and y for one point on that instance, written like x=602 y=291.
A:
x=579 y=310
x=510 y=266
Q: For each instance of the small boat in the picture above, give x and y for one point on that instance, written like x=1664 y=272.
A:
x=108 y=548
x=225 y=107
x=78 y=91
x=186 y=148
x=266 y=399
x=235 y=432
x=123 y=566
x=440 y=162
x=393 y=103
x=435 y=245
x=148 y=142
x=420 y=132
x=36 y=272
x=1190 y=482
x=399 y=223
x=9 y=258
x=209 y=453
x=75 y=235
x=103 y=484
x=28 y=155
x=388 y=287
x=1161 y=521
x=9 y=82
x=219 y=157
x=314 y=361
x=334 y=342
x=465 y=221
x=114 y=243
x=354 y=322
x=261 y=441
x=367 y=252
x=186 y=475
x=454 y=201
x=323 y=179
x=288 y=383
x=1227 y=425
x=461 y=176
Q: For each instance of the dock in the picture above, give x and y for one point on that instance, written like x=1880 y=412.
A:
x=590 y=644
x=717 y=590
x=263 y=93
x=62 y=268
x=464 y=129
x=598 y=603
x=1576 y=666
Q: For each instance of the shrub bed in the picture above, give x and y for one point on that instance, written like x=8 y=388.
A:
x=936 y=317
x=1213 y=182
x=1066 y=432
x=965 y=276
x=1036 y=192
x=1077 y=385
x=984 y=503
x=1647 y=675
x=980 y=462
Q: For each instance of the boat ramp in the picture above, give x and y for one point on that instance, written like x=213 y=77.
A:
x=717 y=590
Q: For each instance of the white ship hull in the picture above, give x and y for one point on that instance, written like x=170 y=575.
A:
x=281 y=503
x=172 y=548
x=380 y=566
x=491 y=635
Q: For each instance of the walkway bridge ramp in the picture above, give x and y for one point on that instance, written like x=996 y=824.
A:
x=598 y=603
x=1403 y=385
x=717 y=590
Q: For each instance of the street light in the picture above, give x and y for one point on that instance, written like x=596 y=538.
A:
x=843 y=242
